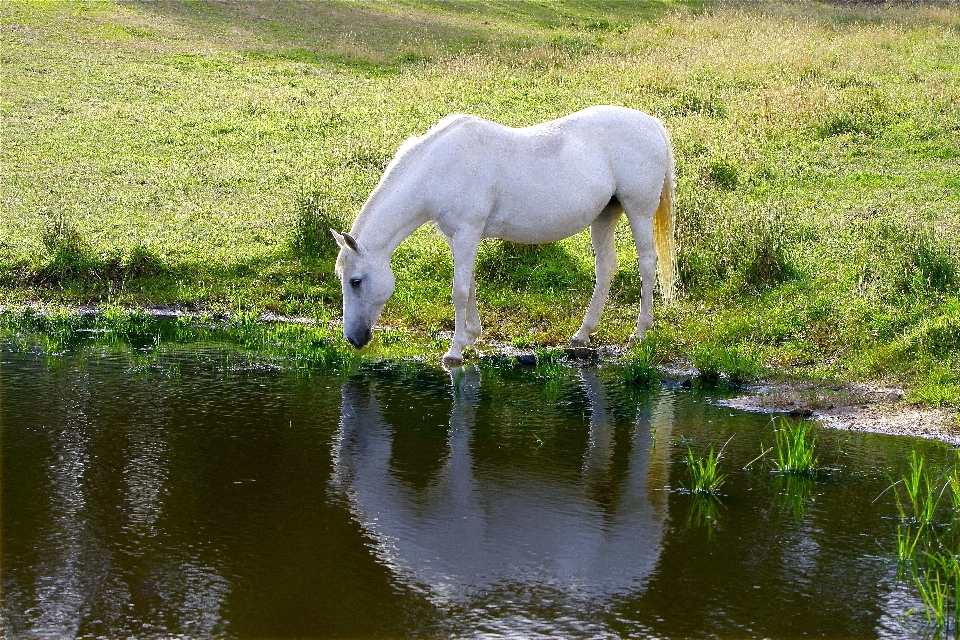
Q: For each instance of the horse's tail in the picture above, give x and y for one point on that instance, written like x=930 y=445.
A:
x=664 y=226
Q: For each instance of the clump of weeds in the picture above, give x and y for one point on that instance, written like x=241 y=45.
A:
x=928 y=543
x=705 y=481
x=795 y=462
x=318 y=209
x=795 y=445
x=707 y=361
x=737 y=366
x=704 y=470
x=923 y=494
x=522 y=342
x=641 y=370
x=68 y=254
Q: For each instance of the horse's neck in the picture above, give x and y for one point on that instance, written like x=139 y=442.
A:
x=390 y=215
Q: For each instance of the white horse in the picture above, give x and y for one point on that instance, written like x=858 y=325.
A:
x=475 y=179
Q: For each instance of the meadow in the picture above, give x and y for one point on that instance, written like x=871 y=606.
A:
x=193 y=152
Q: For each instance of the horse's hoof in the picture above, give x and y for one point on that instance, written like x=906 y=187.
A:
x=577 y=343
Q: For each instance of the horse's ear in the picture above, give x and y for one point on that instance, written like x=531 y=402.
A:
x=349 y=240
x=338 y=237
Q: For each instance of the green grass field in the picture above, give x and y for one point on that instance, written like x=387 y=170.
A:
x=188 y=152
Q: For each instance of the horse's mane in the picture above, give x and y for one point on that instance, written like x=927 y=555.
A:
x=445 y=123
x=407 y=150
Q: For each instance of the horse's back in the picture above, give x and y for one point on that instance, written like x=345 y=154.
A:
x=547 y=181
x=625 y=141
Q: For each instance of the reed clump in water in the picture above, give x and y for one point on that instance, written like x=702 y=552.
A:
x=795 y=444
x=928 y=542
x=704 y=470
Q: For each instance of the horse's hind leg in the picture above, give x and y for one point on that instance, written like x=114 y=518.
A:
x=641 y=224
x=602 y=235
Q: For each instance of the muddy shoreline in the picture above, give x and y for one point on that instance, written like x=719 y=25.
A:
x=853 y=407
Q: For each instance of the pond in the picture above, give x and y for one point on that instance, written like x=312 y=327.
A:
x=195 y=490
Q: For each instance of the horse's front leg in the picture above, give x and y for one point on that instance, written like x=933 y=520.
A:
x=464 y=262
x=473 y=314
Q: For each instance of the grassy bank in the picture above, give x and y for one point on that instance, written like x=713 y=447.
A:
x=190 y=153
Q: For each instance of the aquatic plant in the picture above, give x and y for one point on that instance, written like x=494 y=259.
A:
x=125 y=322
x=704 y=470
x=908 y=539
x=641 y=369
x=928 y=549
x=923 y=494
x=938 y=584
x=795 y=445
x=173 y=371
x=954 y=482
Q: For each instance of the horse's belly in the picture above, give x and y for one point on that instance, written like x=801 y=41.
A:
x=531 y=230
x=541 y=215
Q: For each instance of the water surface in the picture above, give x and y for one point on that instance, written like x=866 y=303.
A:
x=195 y=490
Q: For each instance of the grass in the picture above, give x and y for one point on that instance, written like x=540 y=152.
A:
x=306 y=348
x=735 y=365
x=795 y=448
x=928 y=543
x=704 y=471
x=192 y=153
x=641 y=368
x=955 y=488
x=923 y=494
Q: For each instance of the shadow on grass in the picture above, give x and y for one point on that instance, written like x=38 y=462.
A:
x=526 y=266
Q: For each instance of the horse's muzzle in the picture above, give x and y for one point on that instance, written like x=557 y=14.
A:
x=359 y=342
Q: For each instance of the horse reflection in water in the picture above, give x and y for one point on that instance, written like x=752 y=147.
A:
x=491 y=541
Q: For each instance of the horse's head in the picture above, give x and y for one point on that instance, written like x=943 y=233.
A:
x=367 y=284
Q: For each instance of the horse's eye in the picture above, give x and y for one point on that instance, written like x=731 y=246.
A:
x=355 y=282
